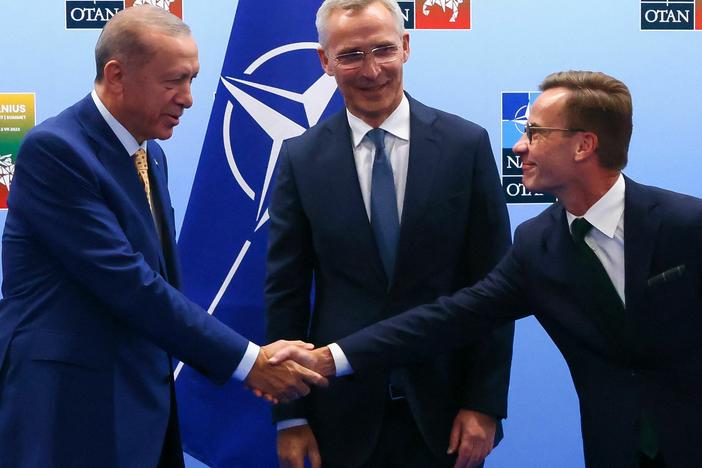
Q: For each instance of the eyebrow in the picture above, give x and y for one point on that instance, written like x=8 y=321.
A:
x=351 y=50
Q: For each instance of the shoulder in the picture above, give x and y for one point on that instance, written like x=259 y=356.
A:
x=447 y=124
x=672 y=206
x=540 y=226
x=55 y=135
x=335 y=126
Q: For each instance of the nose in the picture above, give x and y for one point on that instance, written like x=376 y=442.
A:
x=521 y=146
x=370 y=68
x=184 y=96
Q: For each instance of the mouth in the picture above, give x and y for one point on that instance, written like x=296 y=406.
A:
x=174 y=118
x=527 y=166
x=374 y=89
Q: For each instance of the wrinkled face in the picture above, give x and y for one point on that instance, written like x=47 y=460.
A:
x=372 y=91
x=548 y=160
x=156 y=93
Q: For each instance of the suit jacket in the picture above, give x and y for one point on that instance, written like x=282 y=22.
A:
x=454 y=229
x=91 y=313
x=652 y=364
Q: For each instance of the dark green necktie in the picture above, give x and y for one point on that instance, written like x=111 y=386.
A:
x=609 y=302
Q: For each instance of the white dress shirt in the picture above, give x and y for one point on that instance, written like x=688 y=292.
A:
x=131 y=146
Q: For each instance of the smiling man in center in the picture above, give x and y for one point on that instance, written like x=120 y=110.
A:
x=386 y=205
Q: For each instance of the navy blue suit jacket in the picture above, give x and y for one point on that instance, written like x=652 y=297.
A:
x=454 y=229
x=653 y=363
x=91 y=313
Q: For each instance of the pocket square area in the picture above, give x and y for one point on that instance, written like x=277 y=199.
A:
x=666 y=276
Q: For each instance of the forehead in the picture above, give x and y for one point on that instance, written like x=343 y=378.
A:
x=171 y=51
x=549 y=106
x=358 y=27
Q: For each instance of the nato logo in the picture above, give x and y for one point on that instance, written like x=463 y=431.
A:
x=667 y=15
x=90 y=14
x=258 y=114
x=515 y=115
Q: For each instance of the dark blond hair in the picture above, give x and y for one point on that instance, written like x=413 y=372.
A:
x=601 y=104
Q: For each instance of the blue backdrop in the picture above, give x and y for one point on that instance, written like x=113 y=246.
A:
x=512 y=46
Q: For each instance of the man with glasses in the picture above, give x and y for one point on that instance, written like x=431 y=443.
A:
x=386 y=205
x=611 y=271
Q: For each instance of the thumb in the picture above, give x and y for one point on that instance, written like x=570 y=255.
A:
x=294 y=353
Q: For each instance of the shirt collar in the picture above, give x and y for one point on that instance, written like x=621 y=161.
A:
x=128 y=141
x=397 y=123
x=606 y=213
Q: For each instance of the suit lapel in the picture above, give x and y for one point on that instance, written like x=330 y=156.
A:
x=424 y=157
x=560 y=259
x=161 y=199
x=641 y=224
x=118 y=164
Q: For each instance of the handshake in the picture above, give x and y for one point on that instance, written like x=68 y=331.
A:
x=284 y=370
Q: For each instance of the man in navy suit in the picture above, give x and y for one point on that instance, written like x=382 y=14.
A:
x=91 y=314
x=611 y=271
x=330 y=237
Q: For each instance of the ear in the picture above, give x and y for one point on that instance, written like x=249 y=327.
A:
x=587 y=146
x=324 y=61
x=405 y=47
x=113 y=76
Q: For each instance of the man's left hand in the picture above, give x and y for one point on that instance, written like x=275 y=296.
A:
x=472 y=436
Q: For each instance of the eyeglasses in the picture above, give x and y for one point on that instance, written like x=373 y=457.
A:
x=382 y=54
x=529 y=130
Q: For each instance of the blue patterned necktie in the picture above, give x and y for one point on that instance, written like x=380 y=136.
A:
x=384 y=218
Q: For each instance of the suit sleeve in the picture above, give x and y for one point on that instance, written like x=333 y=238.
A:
x=488 y=360
x=59 y=195
x=449 y=323
x=289 y=266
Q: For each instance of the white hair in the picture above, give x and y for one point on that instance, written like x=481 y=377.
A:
x=329 y=6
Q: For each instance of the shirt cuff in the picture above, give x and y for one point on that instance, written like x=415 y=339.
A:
x=288 y=423
x=340 y=362
x=247 y=362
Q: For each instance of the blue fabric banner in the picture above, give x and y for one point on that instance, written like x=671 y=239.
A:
x=271 y=88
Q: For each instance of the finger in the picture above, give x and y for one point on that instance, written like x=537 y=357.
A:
x=298 y=390
x=271 y=399
x=465 y=452
x=301 y=344
x=294 y=353
x=454 y=437
x=314 y=457
x=291 y=461
x=312 y=377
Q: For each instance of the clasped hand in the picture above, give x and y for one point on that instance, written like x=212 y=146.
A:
x=283 y=380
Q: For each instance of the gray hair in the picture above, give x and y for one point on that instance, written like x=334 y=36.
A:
x=122 y=38
x=329 y=6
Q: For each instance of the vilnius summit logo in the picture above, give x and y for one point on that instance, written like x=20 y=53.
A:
x=671 y=15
